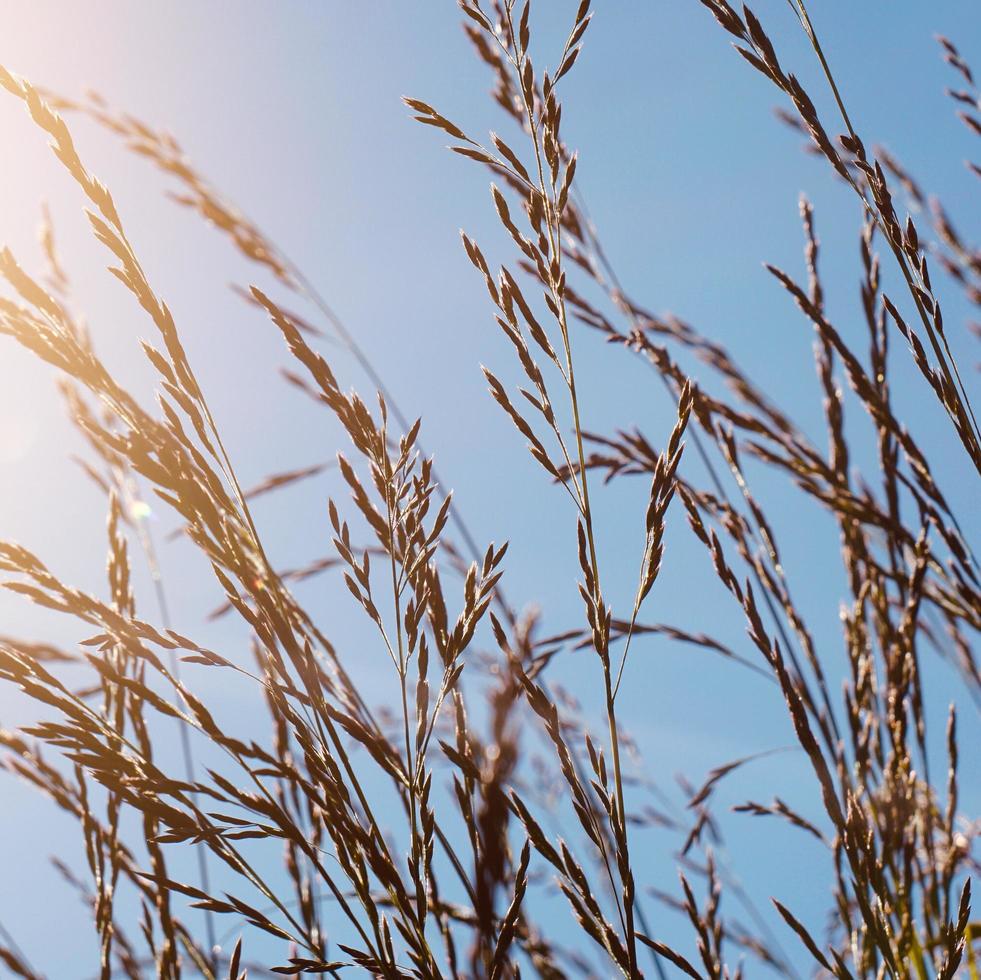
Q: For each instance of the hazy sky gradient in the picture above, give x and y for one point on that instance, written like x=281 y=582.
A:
x=293 y=111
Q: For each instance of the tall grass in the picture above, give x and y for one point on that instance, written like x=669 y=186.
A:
x=386 y=872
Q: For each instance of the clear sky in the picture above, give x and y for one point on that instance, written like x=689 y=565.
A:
x=293 y=110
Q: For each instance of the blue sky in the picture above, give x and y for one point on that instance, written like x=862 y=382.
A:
x=294 y=112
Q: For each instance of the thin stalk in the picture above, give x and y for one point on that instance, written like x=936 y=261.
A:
x=553 y=224
x=146 y=543
x=417 y=847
